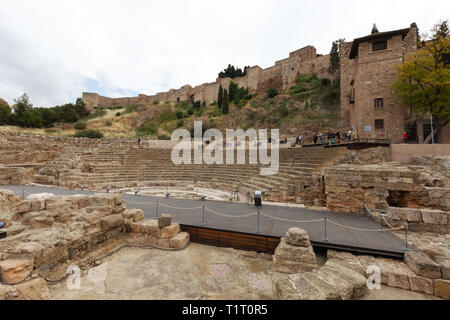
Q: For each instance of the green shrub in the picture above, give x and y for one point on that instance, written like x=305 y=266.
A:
x=197 y=104
x=129 y=108
x=180 y=123
x=96 y=114
x=272 y=92
x=108 y=123
x=118 y=114
x=282 y=109
x=80 y=125
x=164 y=137
x=167 y=115
x=148 y=129
x=92 y=134
x=180 y=115
x=190 y=111
x=51 y=130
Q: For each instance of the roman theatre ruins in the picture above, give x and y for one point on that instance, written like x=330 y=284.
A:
x=77 y=206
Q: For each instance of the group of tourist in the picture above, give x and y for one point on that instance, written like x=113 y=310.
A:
x=334 y=138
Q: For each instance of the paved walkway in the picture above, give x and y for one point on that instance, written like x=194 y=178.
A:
x=227 y=216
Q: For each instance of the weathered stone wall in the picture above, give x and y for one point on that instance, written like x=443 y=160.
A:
x=48 y=233
x=282 y=75
x=369 y=76
x=423 y=185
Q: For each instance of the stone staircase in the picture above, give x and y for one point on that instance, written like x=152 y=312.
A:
x=108 y=167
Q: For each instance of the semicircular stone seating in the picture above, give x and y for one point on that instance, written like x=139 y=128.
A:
x=106 y=166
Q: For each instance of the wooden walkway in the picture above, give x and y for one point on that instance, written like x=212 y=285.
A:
x=221 y=223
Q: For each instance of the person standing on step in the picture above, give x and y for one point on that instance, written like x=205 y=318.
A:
x=405 y=137
x=315 y=138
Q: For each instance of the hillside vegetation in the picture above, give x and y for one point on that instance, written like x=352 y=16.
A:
x=310 y=105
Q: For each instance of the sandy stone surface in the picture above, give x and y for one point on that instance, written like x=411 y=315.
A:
x=199 y=272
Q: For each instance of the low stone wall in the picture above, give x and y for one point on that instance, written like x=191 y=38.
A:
x=423 y=220
x=48 y=233
x=405 y=152
x=345 y=276
x=425 y=184
x=161 y=233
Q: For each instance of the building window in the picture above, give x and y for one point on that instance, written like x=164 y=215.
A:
x=378 y=103
x=379 y=45
x=379 y=124
x=352 y=96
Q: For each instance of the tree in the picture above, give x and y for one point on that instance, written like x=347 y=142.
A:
x=31 y=119
x=334 y=56
x=233 y=91
x=220 y=97
x=5 y=111
x=233 y=72
x=226 y=102
x=424 y=79
x=22 y=104
x=80 y=108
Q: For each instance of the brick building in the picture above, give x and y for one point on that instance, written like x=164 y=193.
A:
x=368 y=69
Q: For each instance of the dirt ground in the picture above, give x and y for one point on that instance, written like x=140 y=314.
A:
x=198 y=272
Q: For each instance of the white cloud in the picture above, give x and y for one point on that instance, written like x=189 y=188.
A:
x=50 y=49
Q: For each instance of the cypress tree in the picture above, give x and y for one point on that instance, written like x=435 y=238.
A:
x=220 y=97
x=225 y=102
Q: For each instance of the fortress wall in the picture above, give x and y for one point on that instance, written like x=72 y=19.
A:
x=282 y=75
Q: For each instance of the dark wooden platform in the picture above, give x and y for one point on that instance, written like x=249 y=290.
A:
x=263 y=233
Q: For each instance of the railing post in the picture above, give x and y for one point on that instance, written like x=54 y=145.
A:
x=258 y=231
x=406 y=240
x=203 y=216
x=156 y=211
x=325 y=227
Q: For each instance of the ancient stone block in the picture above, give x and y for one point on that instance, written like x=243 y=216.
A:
x=444 y=261
x=420 y=284
x=179 y=241
x=23 y=207
x=164 y=220
x=442 y=288
x=170 y=231
x=358 y=281
x=152 y=228
x=291 y=259
x=134 y=215
x=405 y=214
x=297 y=237
x=112 y=221
x=434 y=217
x=422 y=265
x=35 y=289
x=13 y=271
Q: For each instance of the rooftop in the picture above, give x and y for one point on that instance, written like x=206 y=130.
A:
x=375 y=36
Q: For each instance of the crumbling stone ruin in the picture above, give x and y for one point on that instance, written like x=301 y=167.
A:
x=47 y=234
x=415 y=195
x=344 y=275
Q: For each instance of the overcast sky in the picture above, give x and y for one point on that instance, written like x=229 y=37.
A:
x=55 y=50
